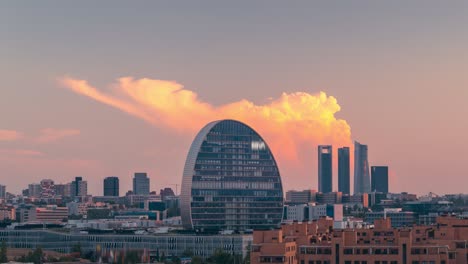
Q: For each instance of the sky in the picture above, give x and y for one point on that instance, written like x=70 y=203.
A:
x=110 y=88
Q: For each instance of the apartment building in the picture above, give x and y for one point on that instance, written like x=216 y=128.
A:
x=317 y=243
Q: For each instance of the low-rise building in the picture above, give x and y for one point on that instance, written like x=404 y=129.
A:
x=318 y=243
x=160 y=244
x=398 y=217
x=300 y=197
x=51 y=214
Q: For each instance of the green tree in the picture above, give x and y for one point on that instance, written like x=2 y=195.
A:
x=37 y=257
x=220 y=257
x=132 y=257
x=76 y=249
x=197 y=260
x=3 y=253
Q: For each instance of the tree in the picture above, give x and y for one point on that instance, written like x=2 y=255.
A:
x=132 y=257
x=247 y=256
x=37 y=256
x=3 y=253
x=76 y=249
x=197 y=260
x=220 y=257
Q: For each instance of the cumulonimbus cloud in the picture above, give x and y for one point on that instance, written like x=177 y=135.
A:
x=287 y=122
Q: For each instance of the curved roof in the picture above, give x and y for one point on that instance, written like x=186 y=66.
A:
x=186 y=190
x=189 y=169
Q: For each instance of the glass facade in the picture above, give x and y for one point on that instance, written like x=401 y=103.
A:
x=231 y=180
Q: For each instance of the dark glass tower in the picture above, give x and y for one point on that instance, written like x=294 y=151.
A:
x=343 y=170
x=230 y=181
x=379 y=179
x=361 y=169
x=111 y=186
x=325 y=172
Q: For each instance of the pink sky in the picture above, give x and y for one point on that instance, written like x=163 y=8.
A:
x=392 y=75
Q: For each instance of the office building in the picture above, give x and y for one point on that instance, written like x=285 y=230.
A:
x=343 y=170
x=300 y=197
x=231 y=180
x=111 y=186
x=26 y=213
x=398 y=217
x=325 y=171
x=51 y=214
x=309 y=212
x=379 y=179
x=79 y=188
x=361 y=169
x=329 y=197
x=141 y=184
x=34 y=190
x=2 y=191
x=63 y=190
x=117 y=244
x=318 y=243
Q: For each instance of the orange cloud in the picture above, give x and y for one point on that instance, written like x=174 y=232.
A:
x=288 y=123
x=48 y=135
x=10 y=135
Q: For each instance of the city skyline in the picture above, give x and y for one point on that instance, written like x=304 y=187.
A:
x=127 y=90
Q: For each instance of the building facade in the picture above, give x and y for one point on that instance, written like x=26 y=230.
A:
x=361 y=169
x=344 y=170
x=111 y=186
x=51 y=214
x=34 y=190
x=47 y=188
x=166 y=244
x=325 y=168
x=398 y=218
x=141 y=184
x=2 y=191
x=379 y=179
x=318 y=243
x=78 y=187
x=230 y=180
x=300 y=197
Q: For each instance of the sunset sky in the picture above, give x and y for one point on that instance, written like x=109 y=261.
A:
x=109 y=88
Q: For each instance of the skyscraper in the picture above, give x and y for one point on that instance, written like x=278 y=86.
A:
x=141 y=184
x=325 y=174
x=34 y=190
x=361 y=169
x=2 y=191
x=111 y=186
x=379 y=181
x=79 y=187
x=343 y=170
x=231 y=180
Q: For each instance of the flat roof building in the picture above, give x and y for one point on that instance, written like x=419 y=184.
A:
x=111 y=186
x=141 y=184
x=325 y=168
x=317 y=242
x=343 y=170
x=379 y=179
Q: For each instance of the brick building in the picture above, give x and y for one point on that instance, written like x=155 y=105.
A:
x=317 y=243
